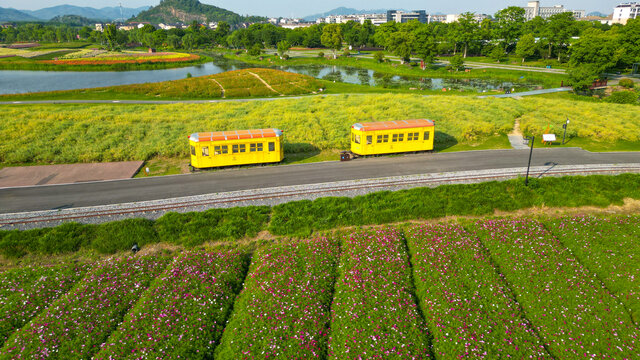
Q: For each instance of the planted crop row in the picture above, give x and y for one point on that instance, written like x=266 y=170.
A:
x=374 y=314
x=32 y=289
x=77 y=324
x=468 y=307
x=571 y=310
x=609 y=247
x=184 y=312
x=284 y=310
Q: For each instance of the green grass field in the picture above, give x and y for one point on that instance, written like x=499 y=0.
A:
x=94 y=133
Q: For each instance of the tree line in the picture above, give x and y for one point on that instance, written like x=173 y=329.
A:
x=590 y=48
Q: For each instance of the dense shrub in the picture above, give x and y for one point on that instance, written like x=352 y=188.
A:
x=627 y=83
x=622 y=97
x=117 y=236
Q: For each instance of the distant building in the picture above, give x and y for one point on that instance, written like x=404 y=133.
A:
x=406 y=16
x=534 y=9
x=436 y=18
x=625 y=11
x=451 y=18
x=376 y=19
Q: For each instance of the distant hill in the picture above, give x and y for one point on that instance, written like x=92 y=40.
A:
x=104 y=14
x=597 y=13
x=186 y=11
x=73 y=20
x=15 y=15
x=345 y=11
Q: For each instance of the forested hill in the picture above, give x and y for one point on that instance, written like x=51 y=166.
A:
x=186 y=11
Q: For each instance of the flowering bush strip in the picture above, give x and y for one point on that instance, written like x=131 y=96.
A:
x=28 y=298
x=126 y=59
x=469 y=308
x=183 y=313
x=572 y=311
x=74 y=326
x=283 y=312
x=610 y=247
x=374 y=314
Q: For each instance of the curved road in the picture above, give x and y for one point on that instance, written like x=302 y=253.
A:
x=142 y=189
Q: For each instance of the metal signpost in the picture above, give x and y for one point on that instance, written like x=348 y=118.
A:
x=532 y=140
x=564 y=126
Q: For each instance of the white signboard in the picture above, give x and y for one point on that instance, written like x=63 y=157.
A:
x=548 y=137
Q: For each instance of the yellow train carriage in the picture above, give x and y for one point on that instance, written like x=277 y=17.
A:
x=387 y=137
x=227 y=148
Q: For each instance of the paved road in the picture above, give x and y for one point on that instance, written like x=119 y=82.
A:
x=529 y=93
x=120 y=191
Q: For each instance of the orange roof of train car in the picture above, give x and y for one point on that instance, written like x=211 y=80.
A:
x=392 y=125
x=235 y=135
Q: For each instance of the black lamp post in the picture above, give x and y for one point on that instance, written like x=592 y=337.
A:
x=532 y=140
x=564 y=126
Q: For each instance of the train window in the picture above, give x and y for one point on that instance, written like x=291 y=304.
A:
x=426 y=135
x=225 y=149
x=416 y=136
x=369 y=139
x=400 y=137
x=252 y=147
x=193 y=150
x=385 y=138
x=216 y=150
x=272 y=146
x=395 y=138
x=357 y=139
x=353 y=137
x=260 y=148
x=205 y=151
x=379 y=139
x=234 y=148
x=412 y=136
x=243 y=148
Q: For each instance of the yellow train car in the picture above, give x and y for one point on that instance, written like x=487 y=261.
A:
x=241 y=147
x=387 y=137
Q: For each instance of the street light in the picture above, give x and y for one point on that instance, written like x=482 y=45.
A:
x=564 y=126
x=531 y=140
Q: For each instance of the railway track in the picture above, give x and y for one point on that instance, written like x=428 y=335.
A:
x=270 y=196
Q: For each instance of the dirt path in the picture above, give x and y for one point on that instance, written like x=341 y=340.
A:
x=516 y=137
x=221 y=87
x=264 y=82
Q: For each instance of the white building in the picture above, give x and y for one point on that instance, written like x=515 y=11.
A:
x=376 y=19
x=451 y=18
x=625 y=11
x=534 y=9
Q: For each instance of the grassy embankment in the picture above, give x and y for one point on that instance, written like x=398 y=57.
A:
x=239 y=84
x=80 y=58
x=548 y=80
x=302 y=218
x=315 y=127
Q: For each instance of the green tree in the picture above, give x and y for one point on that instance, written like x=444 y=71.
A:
x=174 y=41
x=283 y=47
x=332 y=38
x=401 y=44
x=424 y=44
x=255 y=50
x=456 y=63
x=498 y=53
x=509 y=23
x=560 y=28
x=599 y=49
x=379 y=56
x=111 y=34
x=468 y=30
x=629 y=39
x=526 y=46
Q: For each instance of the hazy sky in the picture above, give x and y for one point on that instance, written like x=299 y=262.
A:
x=299 y=8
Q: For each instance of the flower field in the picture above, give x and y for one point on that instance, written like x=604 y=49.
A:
x=469 y=308
x=374 y=315
x=25 y=292
x=512 y=288
x=283 y=312
x=185 y=310
x=573 y=313
x=609 y=247
x=130 y=58
x=77 y=324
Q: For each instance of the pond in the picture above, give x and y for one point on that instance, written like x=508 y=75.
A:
x=17 y=82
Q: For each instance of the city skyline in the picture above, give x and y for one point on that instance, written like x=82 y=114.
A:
x=285 y=8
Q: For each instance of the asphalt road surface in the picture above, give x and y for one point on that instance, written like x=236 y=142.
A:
x=121 y=191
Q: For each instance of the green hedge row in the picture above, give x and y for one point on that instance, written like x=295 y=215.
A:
x=189 y=229
x=301 y=218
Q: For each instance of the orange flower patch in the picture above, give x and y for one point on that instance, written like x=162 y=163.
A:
x=126 y=60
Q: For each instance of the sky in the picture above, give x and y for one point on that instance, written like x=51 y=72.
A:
x=297 y=8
